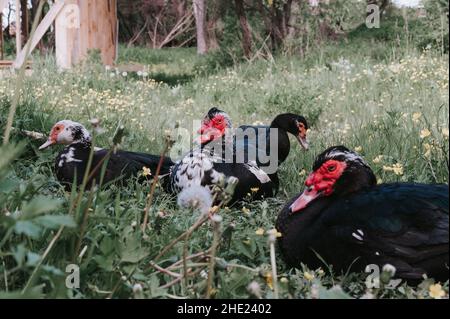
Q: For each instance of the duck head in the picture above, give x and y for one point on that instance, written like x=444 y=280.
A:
x=67 y=132
x=337 y=171
x=214 y=125
x=294 y=124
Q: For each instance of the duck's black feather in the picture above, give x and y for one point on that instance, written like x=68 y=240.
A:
x=405 y=225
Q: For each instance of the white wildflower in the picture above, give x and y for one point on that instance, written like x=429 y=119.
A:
x=389 y=269
x=197 y=197
x=255 y=289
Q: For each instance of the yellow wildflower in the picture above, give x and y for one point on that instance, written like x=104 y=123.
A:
x=445 y=132
x=378 y=159
x=269 y=279
x=254 y=189
x=302 y=172
x=245 y=210
x=398 y=169
x=425 y=133
x=436 y=291
x=259 y=232
x=146 y=171
x=358 y=149
x=274 y=232
x=416 y=116
x=308 y=276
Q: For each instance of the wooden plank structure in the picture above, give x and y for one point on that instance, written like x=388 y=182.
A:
x=84 y=25
x=80 y=26
x=3 y=4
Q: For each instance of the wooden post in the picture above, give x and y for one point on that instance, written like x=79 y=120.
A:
x=18 y=29
x=67 y=25
x=40 y=31
x=1 y=35
x=81 y=25
x=3 y=4
x=84 y=25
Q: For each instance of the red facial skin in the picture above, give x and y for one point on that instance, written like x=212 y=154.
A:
x=54 y=133
x=319 y=183
x=212 y=129
x=301 y=130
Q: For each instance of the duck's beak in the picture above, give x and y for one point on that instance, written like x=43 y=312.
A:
x=308 y=195
x=303 y=141
x=47 y=144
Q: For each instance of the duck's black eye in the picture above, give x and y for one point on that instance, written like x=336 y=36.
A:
x=58 y=128
x=331 y=168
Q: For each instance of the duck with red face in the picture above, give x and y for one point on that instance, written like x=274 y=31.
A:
x=214 y=126
x=348 y=220
x=250 y=142
x=212 y=161
x=71 y=162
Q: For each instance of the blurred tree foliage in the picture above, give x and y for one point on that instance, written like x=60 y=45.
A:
x=248 y=29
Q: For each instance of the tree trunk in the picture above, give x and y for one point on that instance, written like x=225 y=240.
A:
x=1 y=36
x=267 y=22
x=25 y=23
x=246 y=35
x=180 y=8
x=213 y=43
x=216 y=11
x=292 y=19
x=382 y=5
x=34 y=6
x=200 y=21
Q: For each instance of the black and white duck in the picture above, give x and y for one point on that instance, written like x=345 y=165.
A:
x=71 y=163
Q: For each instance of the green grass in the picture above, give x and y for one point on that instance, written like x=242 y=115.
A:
x=366 y=95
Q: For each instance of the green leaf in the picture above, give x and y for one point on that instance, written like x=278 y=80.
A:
x=335 y=292
x=41 y=204
x=105 y=263
x=134 y=256
x=107 y=246
x=28 y=228
x=9 y=153
x=33 y=293
x=244 y=249
x=155 y=290
x=53 y=270
x=32 y=259
x=133 y=251
x=19 y=254
x=8 y=184
x=54 y=221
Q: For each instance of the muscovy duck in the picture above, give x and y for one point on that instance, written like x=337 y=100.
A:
x=253 y=144
x=213 y=160
x=343 y=216
x=71 y=162
x=281 y=125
